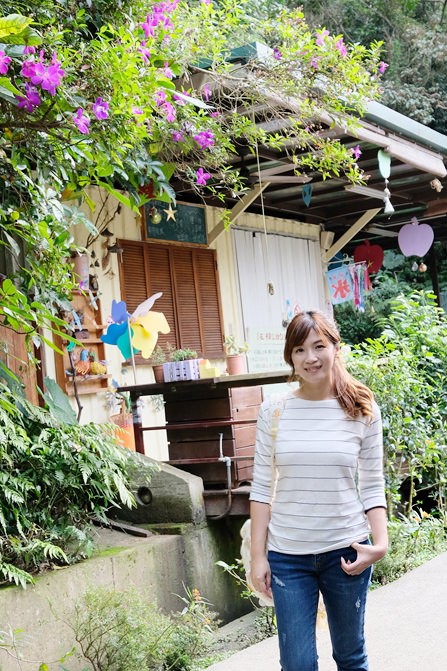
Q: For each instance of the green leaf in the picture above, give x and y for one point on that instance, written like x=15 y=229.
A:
x=58 y=402
x=5 y=83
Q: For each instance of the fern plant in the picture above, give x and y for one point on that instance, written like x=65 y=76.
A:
x=54 y=479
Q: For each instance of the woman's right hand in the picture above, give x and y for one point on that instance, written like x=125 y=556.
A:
x=260 y=575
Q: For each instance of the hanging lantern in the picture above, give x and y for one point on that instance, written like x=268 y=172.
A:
x=415 y=239
x=371 y=254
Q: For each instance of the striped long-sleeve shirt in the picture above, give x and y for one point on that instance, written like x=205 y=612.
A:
x=329 y=471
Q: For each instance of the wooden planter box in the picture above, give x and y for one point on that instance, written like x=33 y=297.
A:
x=181 y=370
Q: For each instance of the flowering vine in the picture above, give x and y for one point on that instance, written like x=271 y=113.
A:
x=151 y=96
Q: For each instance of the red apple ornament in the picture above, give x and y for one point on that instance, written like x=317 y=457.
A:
x=415 y=239
x=372 y=254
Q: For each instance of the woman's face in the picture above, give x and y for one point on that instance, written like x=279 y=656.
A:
x=314 y=359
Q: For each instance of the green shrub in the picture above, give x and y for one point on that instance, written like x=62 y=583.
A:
x=413 y=540
x=406 y=368
x=120 y=631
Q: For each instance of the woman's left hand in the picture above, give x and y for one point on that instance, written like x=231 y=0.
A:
x=366 y=556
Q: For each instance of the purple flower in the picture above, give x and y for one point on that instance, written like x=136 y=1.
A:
x=4 y=62
x=202 y=177
x=101 y=108
x=177 y=136
x=160 y=98
x=382 y=67
x=215 y=114
x=180 y=100
x=31 y=100
x=169 y=111
x=82 y=121
x=145 y=54
x=137 y=111
x=28 y=69
x=206 y=92
x=167 y=70
x=47 y=77
x=29 y=50
x=206 y=2
x=321 y=36
x=356 y=152
x=277 y=54
x=204 y=139
x=150 y=24
x=340 y=45
x=315 y=62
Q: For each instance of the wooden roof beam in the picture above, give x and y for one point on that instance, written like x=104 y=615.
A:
x=350 y=233
x=240 y=207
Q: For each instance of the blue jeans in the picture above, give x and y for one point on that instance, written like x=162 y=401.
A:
x=296 y=583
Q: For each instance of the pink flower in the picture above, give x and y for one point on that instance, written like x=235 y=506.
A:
x=137 y=111
x=382 y=67
x=315 y=62
x=204 y=139
x=206 y=2
x=341 y=47
x=82 y=121
x=169 y=111
x=356 y=152
x=31 y=100
x=177 y=136
x=101 y=108
x=277 y=54
x=145 y=54
x=4 y=62
x=321 y=36
x=29 y=50
x=202 y=177
x=215 y=114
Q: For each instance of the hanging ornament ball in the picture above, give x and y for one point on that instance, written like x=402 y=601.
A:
x=422 y=267
x=414 y=266
x=371 y=254
x=415 y=239
x=155 y=215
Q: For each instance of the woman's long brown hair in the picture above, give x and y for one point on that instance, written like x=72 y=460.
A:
x=354 y=397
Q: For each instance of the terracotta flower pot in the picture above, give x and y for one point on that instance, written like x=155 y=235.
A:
x=158 y=372
x=236 y=364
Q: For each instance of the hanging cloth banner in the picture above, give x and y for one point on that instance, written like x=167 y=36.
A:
x=340 y=285
x=349 y=283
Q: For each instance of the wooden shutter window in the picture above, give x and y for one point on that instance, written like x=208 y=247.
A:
x=187 y=277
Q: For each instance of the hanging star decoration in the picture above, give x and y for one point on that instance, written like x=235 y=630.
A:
x=170 y=213
x=136 y=332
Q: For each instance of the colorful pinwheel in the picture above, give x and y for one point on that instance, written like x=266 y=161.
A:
x=136 y=332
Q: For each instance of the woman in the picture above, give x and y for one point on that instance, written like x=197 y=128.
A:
x=329 y=496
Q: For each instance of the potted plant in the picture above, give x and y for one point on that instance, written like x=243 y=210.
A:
x=184 y=365
x=235 y=354
x=158 y=358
